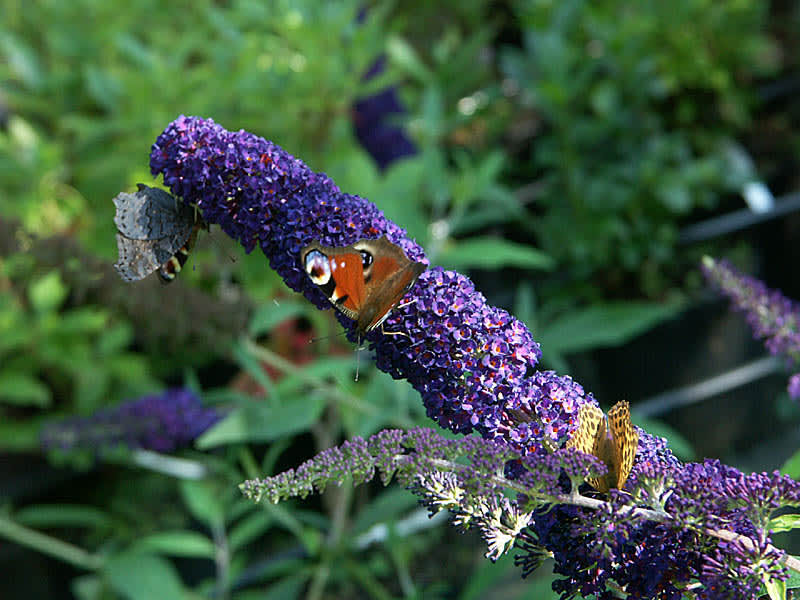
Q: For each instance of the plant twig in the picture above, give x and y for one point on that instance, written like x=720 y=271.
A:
x=51 y=546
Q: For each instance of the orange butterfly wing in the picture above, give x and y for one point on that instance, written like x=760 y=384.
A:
x=614 y=441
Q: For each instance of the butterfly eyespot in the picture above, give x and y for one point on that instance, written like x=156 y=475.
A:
x=366 y=258
x=318 y=267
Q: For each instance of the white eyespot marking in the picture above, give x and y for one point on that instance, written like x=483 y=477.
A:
x=318 y=267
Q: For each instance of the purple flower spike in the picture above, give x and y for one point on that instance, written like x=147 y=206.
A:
x=794 y=386
x=772 y=316
x=261 y=195
x=467 y=359
x=162 y=423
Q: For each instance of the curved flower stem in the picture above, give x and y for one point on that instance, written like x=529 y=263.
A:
x=51 y=546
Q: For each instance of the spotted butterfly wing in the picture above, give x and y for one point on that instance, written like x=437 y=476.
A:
x=613 y=440
x=590 y=420
x=625 y=440
x=156 y=231
x=364 y=280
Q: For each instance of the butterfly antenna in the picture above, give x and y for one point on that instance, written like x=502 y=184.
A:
x=358 y=357
x=326 y=337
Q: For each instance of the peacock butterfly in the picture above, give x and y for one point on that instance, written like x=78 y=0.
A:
x=156 y=231
x=365 y=280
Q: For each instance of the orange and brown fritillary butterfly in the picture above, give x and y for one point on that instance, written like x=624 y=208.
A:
x=612 y=439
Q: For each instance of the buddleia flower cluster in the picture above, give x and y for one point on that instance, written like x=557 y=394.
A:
x=159 y=422
x=772 y=316
x=696 y=529
x=701 y=528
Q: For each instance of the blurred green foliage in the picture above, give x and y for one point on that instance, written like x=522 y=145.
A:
x=561 y=145
x=633 y=105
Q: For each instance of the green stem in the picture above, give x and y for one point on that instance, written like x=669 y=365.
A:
x=51 y=546
x=248 y=462
x=222 y=558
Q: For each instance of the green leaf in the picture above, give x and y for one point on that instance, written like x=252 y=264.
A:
x=776 y=589
x=250 y=528
x=794 y=579
x=493 y=253
x=203 y=501
x=489 y=575
x=177 y=543
x=254 y=368
x=680 y=446
x=288 y=588
x=603 y=325
x=792 y=466
x=114 y=340
x=47 y=293
x=783 y=523
x=405 y=57
x=389 y=506
x=22 y=389
x=139 y=576
x=262 y=422
x=83 y=320
x=22 y=61
x=62 y=515
x=21 y=436
x=269 y=315
x=87 y=587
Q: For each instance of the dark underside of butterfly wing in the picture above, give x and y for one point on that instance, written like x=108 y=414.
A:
x=388 y=293
x=151 y=213
x=152 y=226
x=138 y=258
x=170 y=269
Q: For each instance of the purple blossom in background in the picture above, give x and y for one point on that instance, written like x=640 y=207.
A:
x=794 y=386
x=159 y=422
x=373 y=121
x=474 y=366
x=772 y=316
